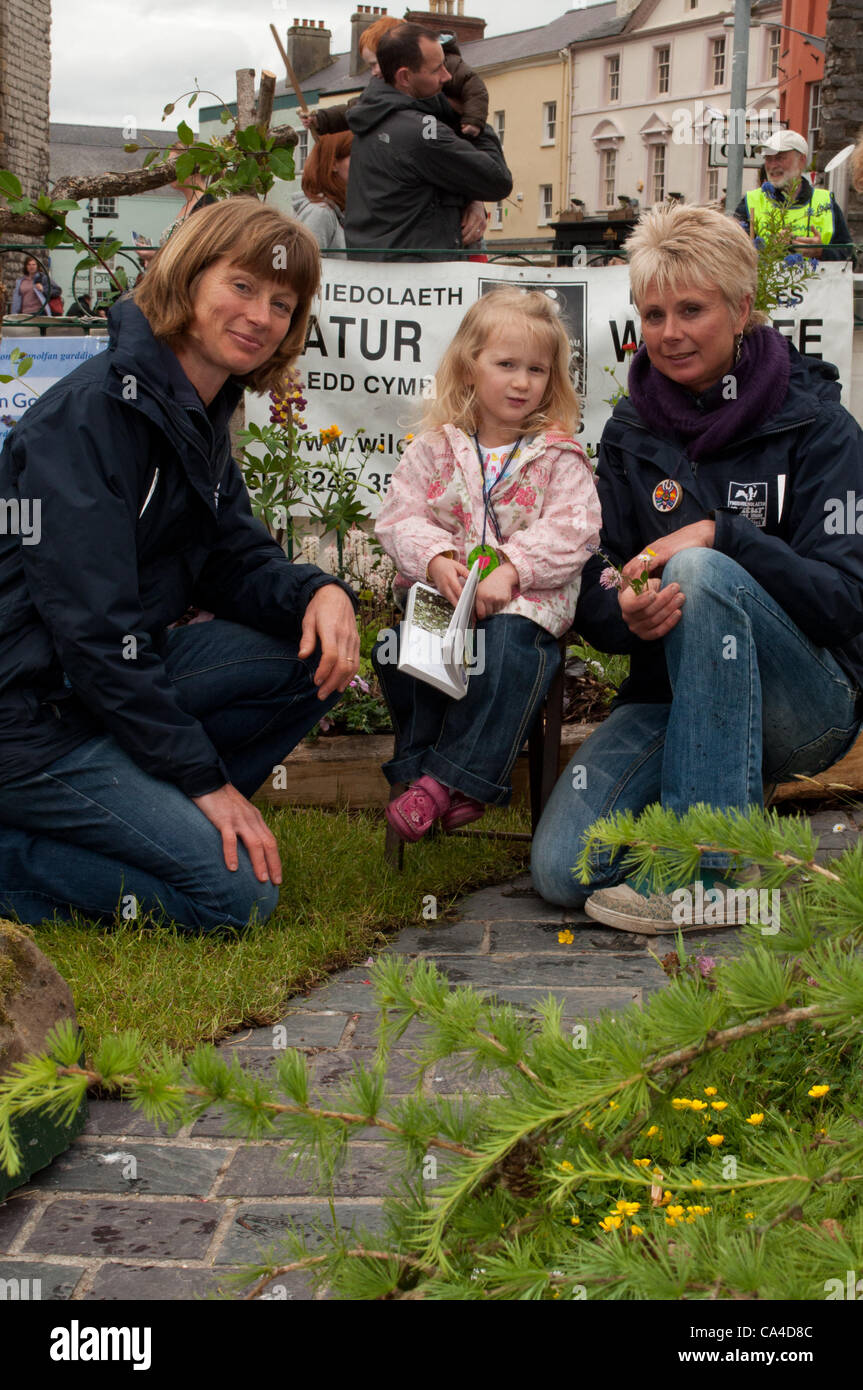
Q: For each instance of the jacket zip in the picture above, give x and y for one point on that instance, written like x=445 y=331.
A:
x=149 y=497
x=693 y=463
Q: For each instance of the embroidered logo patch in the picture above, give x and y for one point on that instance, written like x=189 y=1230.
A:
x=750 y=499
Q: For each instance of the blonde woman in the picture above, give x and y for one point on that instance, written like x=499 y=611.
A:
x=130 y=742
x=495 y=474
x=725 y=476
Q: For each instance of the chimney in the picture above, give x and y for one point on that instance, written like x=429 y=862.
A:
x=442 y=17
x=308 y=47
x=365 y=16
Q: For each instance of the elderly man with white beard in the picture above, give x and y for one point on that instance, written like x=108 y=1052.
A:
x=818 y=227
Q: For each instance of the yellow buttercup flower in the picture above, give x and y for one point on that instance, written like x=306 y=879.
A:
x=675 y=1211
x=719 y=1105
x=670 y=1221
x=628 y=1208
x=654 y=1130
x=565 y=938
x=636 y=1231
x=681 y=1103
x=612 y=1105
x=642 y=1162
x=698 y=1104
x=716 y=1139
x=408 y=438
x=697 y=1182
x=817 y=1091
x=611 y=1223
x=749 y=1216
x=575 y=1220
x=566 y=1166
x=755 y=1118
x=710 y=1090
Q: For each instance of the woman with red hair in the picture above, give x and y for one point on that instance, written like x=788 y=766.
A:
x=321 y=205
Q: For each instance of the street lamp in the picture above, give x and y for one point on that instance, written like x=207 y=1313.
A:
x=820 y=44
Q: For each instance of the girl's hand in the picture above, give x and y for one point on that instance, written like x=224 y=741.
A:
x=448 y=577
x=495 y=593
x=651 y=614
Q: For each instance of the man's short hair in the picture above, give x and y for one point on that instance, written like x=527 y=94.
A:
x=400 y=48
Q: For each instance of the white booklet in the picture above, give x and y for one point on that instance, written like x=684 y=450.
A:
x=433 y=645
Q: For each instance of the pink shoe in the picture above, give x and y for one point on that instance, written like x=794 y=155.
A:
x=462 y=810
x=413 y=814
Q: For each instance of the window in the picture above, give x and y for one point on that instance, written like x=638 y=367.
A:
x=609 y=177
x=497 y=218
x=663 y=68
x=549 y=122
x=301 y=151
x=656 y=175
x=717 y=62
x=106 y=207
x=546 y=203
x=500 y=124
x=774 y=38
x=692 y=4
x=814 y=113
x=712 y=185
x=612 y=77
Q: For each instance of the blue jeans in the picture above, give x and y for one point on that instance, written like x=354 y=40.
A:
x=472 y=744
x=93 y=833
x=754 y=701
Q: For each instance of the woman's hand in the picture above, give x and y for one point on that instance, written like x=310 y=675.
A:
x=448 y=576
x=329 y=619
x=699 y=533
x=651 y=614
x=495 y=593
x=235 y=818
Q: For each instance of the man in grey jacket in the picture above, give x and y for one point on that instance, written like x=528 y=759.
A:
x=413 y=176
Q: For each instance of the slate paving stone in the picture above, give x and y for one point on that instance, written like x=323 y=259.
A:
x=452 y=1076
x=158 y=1230
x=296 y=1030
x=438 y=939
x=350 y=997
x=257 y=1228
x=542 y=937
x=331 y=1069
x=118 y=1117
x=38 y=1281
x=490 y=904
x=117 y=1283
x=14 y=1212
x=365 y=1034
x=576 y=1003
x=215 y=1123
x=267 y=1172
x=167 y=1170
x=554 y=972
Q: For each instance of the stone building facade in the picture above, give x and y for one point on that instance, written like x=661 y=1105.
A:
x=25 y=79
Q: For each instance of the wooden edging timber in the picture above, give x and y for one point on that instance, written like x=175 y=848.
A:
x=346 y=771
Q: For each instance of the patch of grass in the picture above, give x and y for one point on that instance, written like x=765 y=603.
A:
x=338 y=899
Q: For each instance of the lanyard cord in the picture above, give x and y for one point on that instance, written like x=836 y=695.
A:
x=488 y=506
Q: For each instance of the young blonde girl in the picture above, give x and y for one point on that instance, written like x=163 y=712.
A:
x=496 y=471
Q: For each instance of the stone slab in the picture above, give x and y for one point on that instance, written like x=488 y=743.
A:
x=118 y=1117
x=13 y=1214
x=154 y=1230
x=120 y=1283
x=37 y=1281
x=533 y=937
x=490 y=904
x=257 y=1228
x=554 y=972
x=335 y=1068
x=302 y=1029
x=167 y=1170
x=266 y=1171
x=439 y=939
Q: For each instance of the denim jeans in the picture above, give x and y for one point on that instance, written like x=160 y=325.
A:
x=93 y=832
x=754 y=701
x=471 y=744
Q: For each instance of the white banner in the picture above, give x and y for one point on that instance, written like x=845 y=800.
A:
x=381 y=330
x=53 y=358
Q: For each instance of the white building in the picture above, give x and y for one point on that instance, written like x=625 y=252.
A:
x=644 y=87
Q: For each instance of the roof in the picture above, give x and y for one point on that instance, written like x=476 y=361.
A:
x=589 y=22
x=97 y=149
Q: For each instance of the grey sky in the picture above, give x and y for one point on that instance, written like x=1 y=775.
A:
x=113 y=61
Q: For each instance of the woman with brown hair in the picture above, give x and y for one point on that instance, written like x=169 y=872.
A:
x=129 y=744
x=321 y=205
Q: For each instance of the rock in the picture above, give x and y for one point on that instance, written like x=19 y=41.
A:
x=33 y=996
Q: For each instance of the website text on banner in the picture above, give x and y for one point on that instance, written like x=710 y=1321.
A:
x=375 y=343
x=53 y=358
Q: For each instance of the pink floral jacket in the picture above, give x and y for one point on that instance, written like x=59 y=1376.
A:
x=546 y=505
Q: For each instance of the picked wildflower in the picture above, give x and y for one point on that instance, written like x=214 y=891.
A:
x=565 y=938
x=719 y=1105
x=837 y=828
x=716 y=1140
x=710 y=1090
x=817 y=1091
x=611 y=1223
x=642 y=1162
x=408 y=438
x=610 y=578
x=629 y=347
x=628 y=1208
x=755 y=1118
x=380 y=448
x=566 y=1166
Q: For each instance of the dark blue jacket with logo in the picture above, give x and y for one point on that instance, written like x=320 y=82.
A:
x=775 y=495
x=142 y=512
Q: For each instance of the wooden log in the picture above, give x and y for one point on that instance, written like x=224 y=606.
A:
x=266 y=97
x=346 y=771
x=245 y=98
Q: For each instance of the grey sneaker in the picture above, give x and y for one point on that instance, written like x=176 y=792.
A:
x=690 y=909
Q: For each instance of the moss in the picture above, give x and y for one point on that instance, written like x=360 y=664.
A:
x=11 y=960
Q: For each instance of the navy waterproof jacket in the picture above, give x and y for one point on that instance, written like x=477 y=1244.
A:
x=141 y=512
x=775 y=496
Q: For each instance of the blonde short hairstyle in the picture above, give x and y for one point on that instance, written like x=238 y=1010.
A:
x=253 y=236
x=674 y=246
x=455 y=398
x=857 y=165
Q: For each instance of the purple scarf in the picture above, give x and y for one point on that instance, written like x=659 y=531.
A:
x=709 y=421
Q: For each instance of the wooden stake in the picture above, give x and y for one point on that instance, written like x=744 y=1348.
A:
x=266 y=97
x=301 y=100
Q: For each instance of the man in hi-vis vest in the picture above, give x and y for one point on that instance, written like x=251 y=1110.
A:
x=815 y=218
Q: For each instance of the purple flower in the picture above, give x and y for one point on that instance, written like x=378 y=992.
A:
x=610 y=578
x=705 y=964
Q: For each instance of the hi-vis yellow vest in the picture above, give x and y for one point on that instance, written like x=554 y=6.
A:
x=814 y=218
